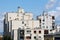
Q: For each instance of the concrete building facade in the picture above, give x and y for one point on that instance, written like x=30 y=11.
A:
x=47 y=22
x=20 y=25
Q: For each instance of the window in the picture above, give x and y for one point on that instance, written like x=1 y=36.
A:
x=21 y=37
x=45 y=31
x=53 y=17
x=10 y=17
x=21 y=32
x=28 y=31
x=39 y=36
x=53 y=27
x=39 y=31
x=25 y=24
x=40 y=25
x=34 y=37
x=46 y=26
x=22 y=22
x=50 y=30
x=43 y=20
x=28 y=37
x=35 y=32
x=40 y=20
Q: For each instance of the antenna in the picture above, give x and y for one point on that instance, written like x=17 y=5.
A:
x=18 y=7
x=43 y=13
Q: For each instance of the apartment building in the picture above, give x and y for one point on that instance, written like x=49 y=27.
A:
x=47 y=21
x=20 y=25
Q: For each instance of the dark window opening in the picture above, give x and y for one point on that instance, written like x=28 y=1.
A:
x=46 y=26
x=39 y=36
x=40 y=20
x=45 y=31
x=28 y=31
x=28 y=37
x=53 y=17
x=53 y=27
x=21 y=32
x=34 y=31
x=25 y=24
x=21 y=37
x=22 y=22
x=34 y=37
x=39 y=31
x=43 y=20
x=50 y=30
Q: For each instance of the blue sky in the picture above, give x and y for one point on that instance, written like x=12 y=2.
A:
x=34 y=6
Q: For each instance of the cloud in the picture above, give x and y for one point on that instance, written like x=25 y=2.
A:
x=58 y=8
x=52 y=0
x=50 y=4
x=54 y=13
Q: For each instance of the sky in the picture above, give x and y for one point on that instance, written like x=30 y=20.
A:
x=35 y=6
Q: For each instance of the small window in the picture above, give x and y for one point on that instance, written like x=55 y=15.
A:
x=46 y=26
x=53 y=17
x=43 y=20
x=28 y=37
x=40 y=20
x=29 y=31
x=39 y=32
x=40 y=25
x=45 y=31
x=53 y=27
x=50 y=30
x=21 y=37
x=34 y=37
x=21 y=32
x=25 y=24
x=35 y=32
x=10 y=17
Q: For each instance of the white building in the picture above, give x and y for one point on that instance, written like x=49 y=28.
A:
x=20 y=25
x=47 y=22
